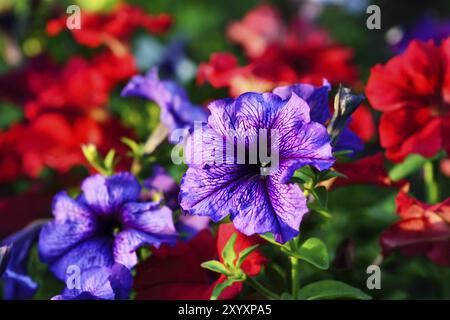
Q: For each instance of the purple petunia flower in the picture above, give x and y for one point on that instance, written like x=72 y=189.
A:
x=103 y=226
x=317 y=99
x=256 y=201
x=17 y=284
x=101 y=283
x=177 y=112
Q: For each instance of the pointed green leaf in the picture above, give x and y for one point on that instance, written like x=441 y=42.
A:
x=411 y=164
x=317 y=207
x=305 y=173
x=321 y=195
x=220 y=287
x=110 y=161
x=331 y=289
x=135 y=147
x=228 y=253
x=329 y=174
x=244 y=254
x=215 y=266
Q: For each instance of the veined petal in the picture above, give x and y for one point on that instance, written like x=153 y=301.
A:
x=106 y=194
x=148 y=217
x=309 y=146
x=270 y=206
x=315 y=97
x=93 y=252
x=59 y=236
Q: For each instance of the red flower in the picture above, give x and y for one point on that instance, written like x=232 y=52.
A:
x=257 y=30
x=413 y=92
x=54 y=141
x=10 y=164
x=278 y=55
x=80 y=85
x=362 y=123
x=368 y=170
x=97 y=29
x=175 y=273
x=422 y=229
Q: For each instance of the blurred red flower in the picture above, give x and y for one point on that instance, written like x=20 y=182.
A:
x=369 y=170
x=422 y=229
x=97 y=29
x=54 y=141
x=362 y=123
x=10 y=163
x=80 y=85
x=413 y=92
x=160 y=277
x=278 y=55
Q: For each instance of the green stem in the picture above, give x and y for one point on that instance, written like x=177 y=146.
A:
x=295 y=275
x=262 y=290
x=431 y=185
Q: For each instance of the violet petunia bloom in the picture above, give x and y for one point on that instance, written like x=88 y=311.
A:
x=177 y=112
x=101 y=283
x=257 y=201
x=105 y=225
x=317 y=99
x=17 y=284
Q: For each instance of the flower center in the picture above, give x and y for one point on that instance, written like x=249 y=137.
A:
x=110 y=225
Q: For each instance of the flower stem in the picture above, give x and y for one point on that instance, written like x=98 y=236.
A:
x=295 y=275
x=431 y=185
x=262 y=290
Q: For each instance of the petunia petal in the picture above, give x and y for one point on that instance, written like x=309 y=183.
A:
x=93 y=252
x=128 y=241
x=105 y=195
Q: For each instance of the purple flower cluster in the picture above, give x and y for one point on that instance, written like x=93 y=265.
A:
x=100 y=230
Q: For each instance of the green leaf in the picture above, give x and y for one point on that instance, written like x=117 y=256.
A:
x=244 y=254
x=329 y=174
x=215 y=266
x=312 y=251
x=228 y=253
x=321 y=195
x=317 y=207
x=110 y=161
x=270 y=238
x=220 y=287
x=331 y=289
x=411 y=164
x=103 y=166
x=136 y=148
x=305 y=173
